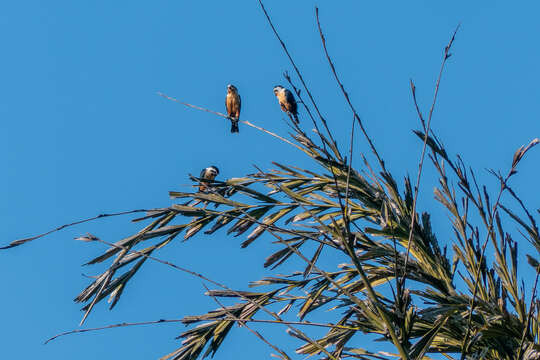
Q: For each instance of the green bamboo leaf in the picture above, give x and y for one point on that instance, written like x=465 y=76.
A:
x=294 y=195
x=310 y=303
x=305 y=215
x=269 y=220
x=279 y=257
x=255 y=194
x=288 y=171
x=324 y=199
x=245 y=222
x=131 y=240
x=196 y=226
x=210 y=197
x=422 y=346
x=189 y=210
x=527 y=228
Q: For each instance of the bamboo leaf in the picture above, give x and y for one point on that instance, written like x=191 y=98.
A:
x=267 y=221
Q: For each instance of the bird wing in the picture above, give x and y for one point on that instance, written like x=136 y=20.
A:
x=239 y=106
x=289 y=97
x=203 y=173
x=291 y=101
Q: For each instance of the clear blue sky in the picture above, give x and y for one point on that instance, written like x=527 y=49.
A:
x=83 y=132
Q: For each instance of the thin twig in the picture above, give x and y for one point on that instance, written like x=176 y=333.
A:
x=349 y=169
x=297 y=72
x=301 y=101
x=418 y=111
x=323 y=120
x=372 y=146
x=427 y=128
x=323 y=142
x=232 y=318
x=124 y=324
x=22 y=241
x=227 y=117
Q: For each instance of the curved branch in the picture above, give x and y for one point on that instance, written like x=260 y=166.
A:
x=25 y=240
x=226 y=117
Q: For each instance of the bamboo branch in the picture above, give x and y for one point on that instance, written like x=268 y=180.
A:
x=22 y=241
x=165 y=321
x=346 y=95
x=529 y=315
x=323 y=120
x=239 y=294
x=227 y=117
x=518 y=155
x=427 y=128
x=372 y=296
x=256 y=333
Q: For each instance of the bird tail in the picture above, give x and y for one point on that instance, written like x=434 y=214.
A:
x=296 y=118
x=234 y=125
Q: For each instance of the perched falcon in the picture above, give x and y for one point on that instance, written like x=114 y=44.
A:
x=286 y=101
x=208 y=173
x=233 y=104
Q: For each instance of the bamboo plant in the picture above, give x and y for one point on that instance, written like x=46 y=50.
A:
x=398 y=283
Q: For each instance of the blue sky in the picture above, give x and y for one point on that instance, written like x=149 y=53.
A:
x=83 y=132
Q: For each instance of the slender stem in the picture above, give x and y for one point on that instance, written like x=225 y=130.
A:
x=316 y=109
x=165 y=321
x=349 y=169
x=357 y=117
x=426 y=134
x=22 y=241
x=297 y=72
x=226 y=117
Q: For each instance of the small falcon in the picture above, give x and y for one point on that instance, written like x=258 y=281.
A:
x=210 y=174
x=233 y=103
x=286 y=101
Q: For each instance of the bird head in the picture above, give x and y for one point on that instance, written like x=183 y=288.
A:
x=231 y=88
x=213 y=170
x=277 y=89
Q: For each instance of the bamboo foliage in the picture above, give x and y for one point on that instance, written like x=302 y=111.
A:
x=467 y=300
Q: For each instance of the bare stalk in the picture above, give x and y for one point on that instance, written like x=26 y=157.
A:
x=165 y=321
x=357 y=117
x=323 y=120
x=22 y=241
x=226 y=117
x=427 y=128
